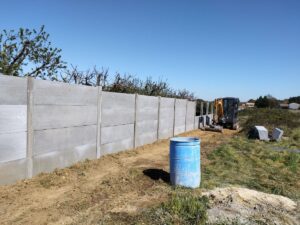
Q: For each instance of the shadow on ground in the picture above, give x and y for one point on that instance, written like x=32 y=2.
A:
x=156 y=174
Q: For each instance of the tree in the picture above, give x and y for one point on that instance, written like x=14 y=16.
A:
x=295 y=99
x=29 y=50
x=92 y=77
x=268 y=101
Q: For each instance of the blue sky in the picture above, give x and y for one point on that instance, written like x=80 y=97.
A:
x=243 y=48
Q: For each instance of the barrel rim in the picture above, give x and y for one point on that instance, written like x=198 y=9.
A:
x=185 y=139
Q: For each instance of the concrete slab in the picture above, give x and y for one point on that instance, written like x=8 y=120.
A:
x=13 y=118
x=117 y=133
x=13 y=171
x=63 y=139
x=190 y=115
x=13 y=146
x=180 y=114
x=197 y=122
x=146 y=120
x=260 y=132
x=59 y=93
x=60 y=116
x=277 y=134
x=13 y=90
x=117 y=109
x=117 y=146
x=59 y=159
x=166 y=118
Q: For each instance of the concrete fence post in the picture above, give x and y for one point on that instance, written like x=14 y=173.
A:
x=158 y=117
x=99 y=116
x=174 y=120
x=212 y=107
x=195 y=112
x=186 y=110
x=207 y=108
x=30 y=95
x=135 y=120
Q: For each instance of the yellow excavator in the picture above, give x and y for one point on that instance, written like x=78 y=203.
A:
x=226 y=112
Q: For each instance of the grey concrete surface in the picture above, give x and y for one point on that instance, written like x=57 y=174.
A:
x=117 y=109
x=116 y=133
x=146 y=120
x=117 y=146
x=13 y=171
x=190 y=115
x=58 y=93
x=12 y=146
x=277 y=134
x=63 y=139
x=13 y=118
x=60 y=116
x=59 y=159
x=180 y=116
x=166 y=118
x=46 y=125
x=197 y=122
x=13 y=90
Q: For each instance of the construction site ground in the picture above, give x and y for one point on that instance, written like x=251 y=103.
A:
x=93 y=191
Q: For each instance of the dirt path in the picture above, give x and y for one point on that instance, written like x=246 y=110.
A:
x=91 y=191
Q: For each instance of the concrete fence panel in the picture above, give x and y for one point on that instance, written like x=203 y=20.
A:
x=64 y=124
x=146 y=120
x=58 y=93
x=13 y=90
x=117 y=122
x=166 y=118
x=180 y=116
x=13 y=129
x=197 y=122
x=190 y=115
x=46 y=125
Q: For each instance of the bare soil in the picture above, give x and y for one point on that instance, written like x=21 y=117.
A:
x=236 y=205
x=92 y=191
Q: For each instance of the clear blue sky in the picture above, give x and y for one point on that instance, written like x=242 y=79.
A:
x=243 y=48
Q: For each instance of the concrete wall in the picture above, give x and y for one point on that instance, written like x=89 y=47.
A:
x=13 y=129
x=180 y=116
x=146 y=120
x=197 y=124
x=46 y=125
x=117 y=122
x=166 y=118
x=64 y=119
x=190 y=115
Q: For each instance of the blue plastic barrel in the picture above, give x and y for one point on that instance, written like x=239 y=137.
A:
x=185 y=161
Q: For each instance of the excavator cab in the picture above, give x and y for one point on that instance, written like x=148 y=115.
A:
x=226 y=112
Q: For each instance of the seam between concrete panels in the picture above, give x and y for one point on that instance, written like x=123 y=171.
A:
x=99 y=117
x=30 y=96
x=158 y=117
x=174 y=119
x=186 y=111
x=135 y=120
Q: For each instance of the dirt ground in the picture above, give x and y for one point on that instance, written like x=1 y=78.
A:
x=89 y=192
x=246 y=206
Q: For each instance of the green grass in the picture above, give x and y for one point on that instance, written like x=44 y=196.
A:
x=255 y=165
x=183 y=208
x=270 y=118
x=271 y=167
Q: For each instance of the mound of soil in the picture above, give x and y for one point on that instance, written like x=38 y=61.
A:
x=244 y=206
